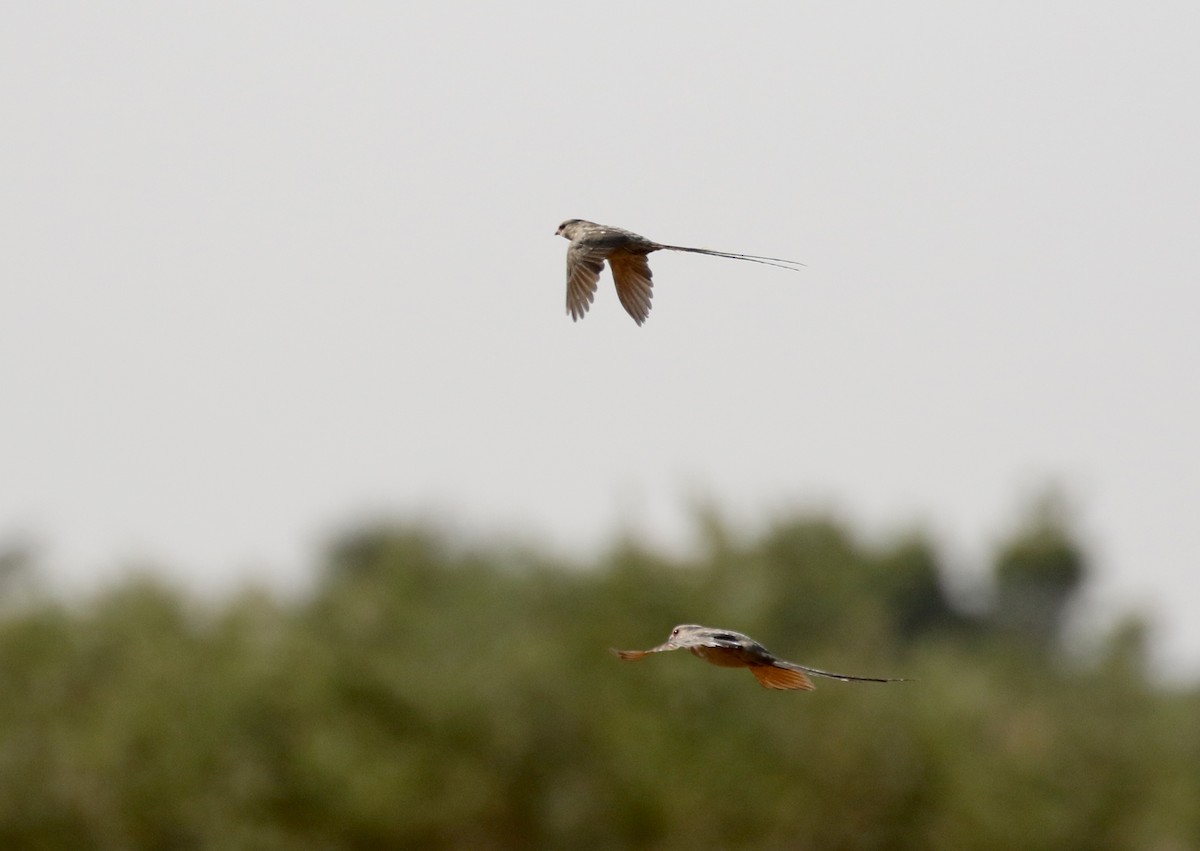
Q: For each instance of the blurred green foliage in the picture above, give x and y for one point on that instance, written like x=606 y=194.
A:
x=431 y=695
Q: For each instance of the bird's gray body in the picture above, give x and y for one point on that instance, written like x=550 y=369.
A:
x=605 y=238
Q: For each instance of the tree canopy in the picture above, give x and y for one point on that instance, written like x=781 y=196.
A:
x=428 y=694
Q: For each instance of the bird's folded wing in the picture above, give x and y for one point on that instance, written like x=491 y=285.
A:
x=727 y=640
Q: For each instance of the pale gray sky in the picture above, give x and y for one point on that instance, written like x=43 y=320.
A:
x=269 y=268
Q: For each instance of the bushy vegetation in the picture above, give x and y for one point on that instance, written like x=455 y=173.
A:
x=429 y=695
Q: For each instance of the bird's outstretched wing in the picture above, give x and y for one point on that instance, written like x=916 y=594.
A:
x=631 y=274
x=583 y=271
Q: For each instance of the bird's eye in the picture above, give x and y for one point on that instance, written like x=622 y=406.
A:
x=675 y=631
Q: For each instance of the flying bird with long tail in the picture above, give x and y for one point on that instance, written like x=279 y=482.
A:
x=625 y=251
x=730 y=649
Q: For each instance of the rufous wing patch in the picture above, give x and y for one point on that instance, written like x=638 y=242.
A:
x=781 y=678
x=631 y=274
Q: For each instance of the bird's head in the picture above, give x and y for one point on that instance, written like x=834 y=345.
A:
x=567 y=229
x=686 y=635
x=683 y=636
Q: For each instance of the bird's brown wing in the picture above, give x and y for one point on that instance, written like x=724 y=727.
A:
x=781 y=678
x=631 y=273
x=583 y=271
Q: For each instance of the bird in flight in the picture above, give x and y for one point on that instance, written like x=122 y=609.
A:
x=625 y=251
x=731 y=649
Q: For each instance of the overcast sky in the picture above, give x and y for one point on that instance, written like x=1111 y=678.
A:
x=269 y=269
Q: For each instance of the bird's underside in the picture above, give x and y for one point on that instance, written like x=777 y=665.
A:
x=730 y=649
x=769 y=674
x=625 y=251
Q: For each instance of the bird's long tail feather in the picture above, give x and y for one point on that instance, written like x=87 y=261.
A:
x=792 y=265
x=844 y=677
